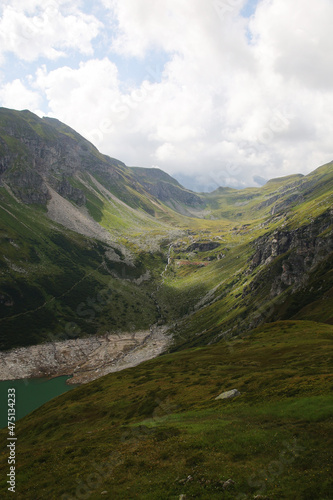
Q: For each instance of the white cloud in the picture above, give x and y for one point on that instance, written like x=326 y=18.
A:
x=223 y=100
x=297 y=38
x=81 y=97
x=236 y=98
x=16 y=95
x=48 y=29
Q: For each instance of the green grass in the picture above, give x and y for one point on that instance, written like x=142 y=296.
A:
x=154 y=425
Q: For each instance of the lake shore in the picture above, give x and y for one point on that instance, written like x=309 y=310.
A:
x=84 y=359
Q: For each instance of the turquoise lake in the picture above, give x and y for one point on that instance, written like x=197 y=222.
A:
x=30 y=394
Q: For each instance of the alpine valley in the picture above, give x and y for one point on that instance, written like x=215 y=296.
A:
x=198 y=326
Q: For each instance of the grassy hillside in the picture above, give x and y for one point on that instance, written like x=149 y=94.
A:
x=276 y=197
x=56 y=283
x=156 y=431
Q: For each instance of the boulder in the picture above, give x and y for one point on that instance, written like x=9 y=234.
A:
x=227 y=484
x=229 y=394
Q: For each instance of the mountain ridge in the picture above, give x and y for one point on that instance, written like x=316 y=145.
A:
x=46 y=149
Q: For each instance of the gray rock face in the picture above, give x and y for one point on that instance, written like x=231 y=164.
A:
x=29 y=186
x=229 y=394
x=35 y=152
x=301 y=250
x=295 y=195
x=203 y=246
x=84 y=359
x=65 y=189
x=4 y=163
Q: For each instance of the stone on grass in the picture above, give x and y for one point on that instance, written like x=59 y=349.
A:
x=227 y=484
x=229 y=394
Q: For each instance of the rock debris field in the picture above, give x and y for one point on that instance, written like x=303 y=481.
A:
x=84 y=359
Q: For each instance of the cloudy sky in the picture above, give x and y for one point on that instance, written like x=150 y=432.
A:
x=215 y=92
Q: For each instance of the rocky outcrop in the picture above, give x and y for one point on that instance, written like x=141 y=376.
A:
x=65 y=189
x=204 y=246
x=168 y=192
x=29 y=186
x=4 y=163
x=296 y=252
x=26 y=174
x=36 y=151
x=293 y=199
x=181 y=195
x=291 y=194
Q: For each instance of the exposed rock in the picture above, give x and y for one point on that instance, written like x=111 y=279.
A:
x=165 y=192
x=85 y=359
x=229 y=394
x=294 y=199
x=66 y=190
x=77 y=219
x=220 y=256
x=268 y=202
x=186 y=480
x=228 y=484
x=302 y=249
x=295 y=194
x=29 y=187
x=36 y=152
x=4 y=163
x=165 y=188
x=203 y=246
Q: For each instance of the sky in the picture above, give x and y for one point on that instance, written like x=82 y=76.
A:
x=214 y=92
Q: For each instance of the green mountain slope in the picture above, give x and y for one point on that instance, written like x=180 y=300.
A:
x=56 y=283
x=276 y=197
x=169 y=191
x=156 y=431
